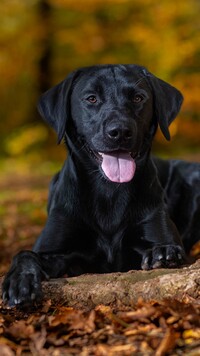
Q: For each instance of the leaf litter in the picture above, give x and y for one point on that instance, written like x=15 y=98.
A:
x=168 y=328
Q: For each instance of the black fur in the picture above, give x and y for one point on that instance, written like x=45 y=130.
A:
x=96 y=223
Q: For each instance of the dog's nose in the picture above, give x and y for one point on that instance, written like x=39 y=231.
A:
x=118 y=133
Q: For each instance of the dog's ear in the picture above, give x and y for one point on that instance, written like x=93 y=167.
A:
x=54 y=105
x=167 y=102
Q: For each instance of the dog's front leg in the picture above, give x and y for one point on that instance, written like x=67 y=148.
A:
x=22 y=284
x=59 y=250
x=50 y=258
x=166 y=249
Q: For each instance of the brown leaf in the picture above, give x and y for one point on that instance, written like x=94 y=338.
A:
x=144 y=312
x=75 y=319
x=10 y=345
x=141 y=330
x=20 y=330
x=6 y=351
x=167 y=342
x=39 y=339
x=46 y=306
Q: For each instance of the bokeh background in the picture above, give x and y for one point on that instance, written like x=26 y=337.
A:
x=41 y=41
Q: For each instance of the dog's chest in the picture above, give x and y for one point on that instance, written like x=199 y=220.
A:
x=109 y=219
x=109 y=216
x=110 y=246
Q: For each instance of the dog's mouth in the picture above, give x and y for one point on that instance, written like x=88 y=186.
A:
x=118 y=166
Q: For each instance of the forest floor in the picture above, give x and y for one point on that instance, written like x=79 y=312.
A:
x=154 y=328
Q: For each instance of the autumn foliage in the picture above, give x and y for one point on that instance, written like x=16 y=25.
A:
x=43 y=40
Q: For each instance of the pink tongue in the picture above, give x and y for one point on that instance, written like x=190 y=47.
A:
x=119 y=167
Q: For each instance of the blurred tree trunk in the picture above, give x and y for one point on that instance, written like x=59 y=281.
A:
x=44 y=69
x=44 y=65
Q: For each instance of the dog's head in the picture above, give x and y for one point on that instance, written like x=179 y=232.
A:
x=112 y=111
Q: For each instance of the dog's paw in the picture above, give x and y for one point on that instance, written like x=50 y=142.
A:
x=22 y=288
x=22 y=284
x=166 y=256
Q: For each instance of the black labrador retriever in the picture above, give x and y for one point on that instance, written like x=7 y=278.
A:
x=112 y=207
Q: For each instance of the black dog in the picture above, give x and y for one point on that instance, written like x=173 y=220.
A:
x=111 y=208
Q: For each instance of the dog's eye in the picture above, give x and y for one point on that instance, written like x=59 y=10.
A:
x=92 y=99
x=137 y=98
